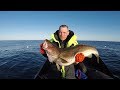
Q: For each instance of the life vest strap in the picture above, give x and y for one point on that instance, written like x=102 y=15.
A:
x=63 y=71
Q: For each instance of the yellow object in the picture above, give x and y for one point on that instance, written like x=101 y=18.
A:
x=63 y=71
x=70 y=42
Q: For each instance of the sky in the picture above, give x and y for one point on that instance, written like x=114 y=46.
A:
x=39 y=25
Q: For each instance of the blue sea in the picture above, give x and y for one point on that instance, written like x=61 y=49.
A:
x=21 y=59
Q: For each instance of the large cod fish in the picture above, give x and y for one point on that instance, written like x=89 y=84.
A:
x=66 y=56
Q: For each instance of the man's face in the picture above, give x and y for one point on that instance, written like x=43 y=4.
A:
x=63 y=33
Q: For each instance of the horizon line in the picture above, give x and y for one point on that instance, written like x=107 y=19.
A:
x=44 y=39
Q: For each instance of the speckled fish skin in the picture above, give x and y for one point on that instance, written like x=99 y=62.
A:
x=66 y=56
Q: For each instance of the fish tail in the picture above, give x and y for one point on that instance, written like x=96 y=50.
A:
x=97 y=56
x=58 y=67
x=98 y=59
x=59 y=61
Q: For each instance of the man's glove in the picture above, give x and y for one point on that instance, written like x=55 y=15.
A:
x=79 y=57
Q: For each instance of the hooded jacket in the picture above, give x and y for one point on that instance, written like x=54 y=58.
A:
x=70 y=41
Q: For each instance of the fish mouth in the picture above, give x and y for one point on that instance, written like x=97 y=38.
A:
x=45 y=45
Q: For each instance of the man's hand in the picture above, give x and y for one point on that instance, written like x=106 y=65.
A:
x=79 y=57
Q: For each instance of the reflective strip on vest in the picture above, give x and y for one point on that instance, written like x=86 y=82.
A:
x=63 y=71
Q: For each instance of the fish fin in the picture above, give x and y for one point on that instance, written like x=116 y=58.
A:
x=58 y=67
x=63 y=60
x=98 y=59
x=61 y=63
x=97 y=56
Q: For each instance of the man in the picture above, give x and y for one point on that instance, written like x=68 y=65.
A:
x=63 y=38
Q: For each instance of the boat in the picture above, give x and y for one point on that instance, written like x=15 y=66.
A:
x=93 y=70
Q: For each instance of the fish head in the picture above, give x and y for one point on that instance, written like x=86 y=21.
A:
x=51 y=50
x=47 y=45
